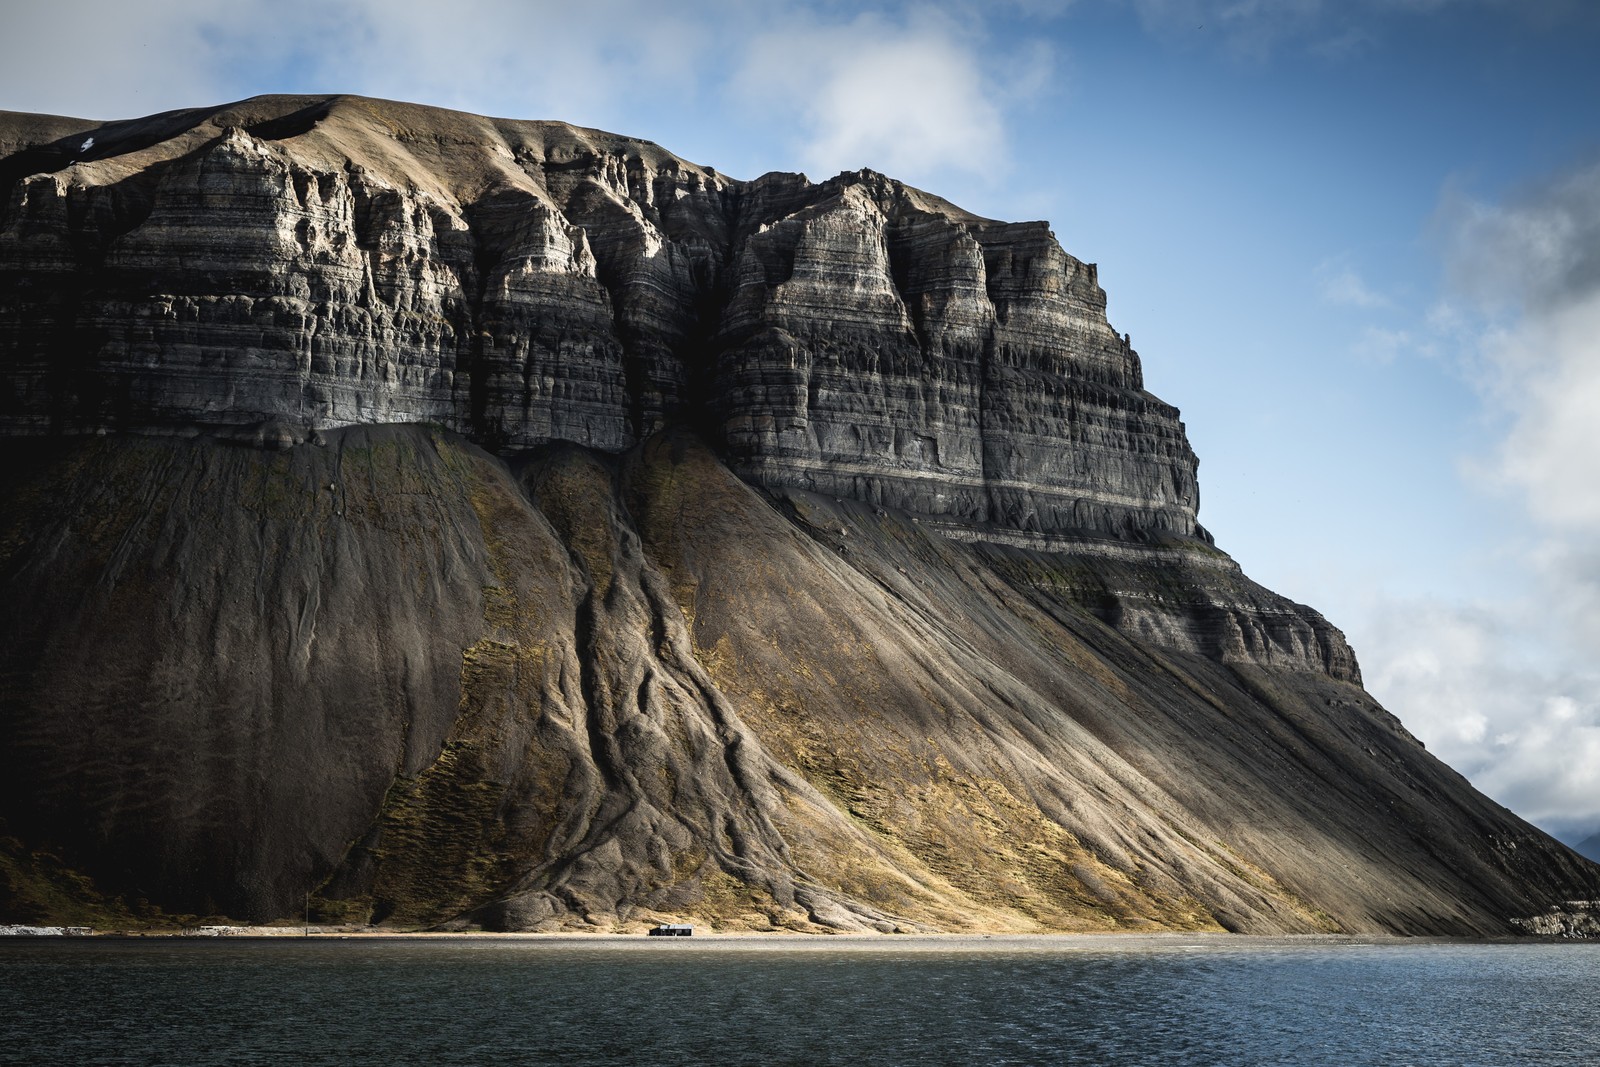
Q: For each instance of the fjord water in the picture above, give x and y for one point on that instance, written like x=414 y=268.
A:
x=1160 y=1000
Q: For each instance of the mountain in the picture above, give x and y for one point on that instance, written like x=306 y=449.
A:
x=427 y=519
x=1589 y=846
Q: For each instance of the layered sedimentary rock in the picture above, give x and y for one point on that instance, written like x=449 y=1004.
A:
x=321 y=263
x=469 y=521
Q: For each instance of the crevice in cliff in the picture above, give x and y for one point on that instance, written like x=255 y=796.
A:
x=599 y=715
x=900 y=265
x=987 y=362
x=700 y=352
x=483 y=261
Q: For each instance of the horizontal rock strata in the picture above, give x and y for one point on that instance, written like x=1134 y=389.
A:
x=334 y=262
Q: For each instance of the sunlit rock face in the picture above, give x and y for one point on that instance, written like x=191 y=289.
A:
x=325 y=264
x=481 y=522
x=290 y=265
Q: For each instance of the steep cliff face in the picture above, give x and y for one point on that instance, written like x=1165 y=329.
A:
x=326 y=263
x=286 y=265
x=371 y=495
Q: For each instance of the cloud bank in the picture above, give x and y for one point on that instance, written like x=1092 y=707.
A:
x=109 y=58
x=910 y=98
x=1508 y=691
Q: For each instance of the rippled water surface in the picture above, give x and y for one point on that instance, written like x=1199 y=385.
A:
x=1173 y=1000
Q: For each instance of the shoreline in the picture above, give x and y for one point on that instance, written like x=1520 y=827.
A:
x=762 y=941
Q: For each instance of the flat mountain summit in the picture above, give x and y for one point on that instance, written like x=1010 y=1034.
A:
x=431 y=520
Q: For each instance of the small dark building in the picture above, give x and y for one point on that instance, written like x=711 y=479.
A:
x=672 y=930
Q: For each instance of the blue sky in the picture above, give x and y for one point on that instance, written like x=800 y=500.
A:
x=1356 y=241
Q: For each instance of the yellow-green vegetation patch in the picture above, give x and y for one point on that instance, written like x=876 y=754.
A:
x=435 y=854
x=443 y=843
x=727 y=902
x=38 y=887
x=1259 y=879
x=575 y=494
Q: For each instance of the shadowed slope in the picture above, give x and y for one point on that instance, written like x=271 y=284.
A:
x=607 y=690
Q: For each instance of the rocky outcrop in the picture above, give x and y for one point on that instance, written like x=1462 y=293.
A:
x=475 y=522
x=288 y=265
x=1569 y=919
x=335 y=262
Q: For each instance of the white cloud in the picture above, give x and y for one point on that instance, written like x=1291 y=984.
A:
x=1509 y=691
x=1548 y=378
x=1339 y=284
x=1532 y=269
x=906 y=98
x=1463 y=679
x=110 y=58
x=1540 y=251
x=540 y=60
x=107 y=60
